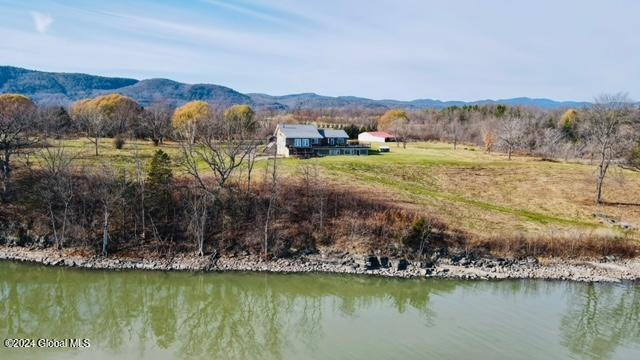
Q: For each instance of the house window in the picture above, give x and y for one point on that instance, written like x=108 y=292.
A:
x=301 y=142
x=332 y=141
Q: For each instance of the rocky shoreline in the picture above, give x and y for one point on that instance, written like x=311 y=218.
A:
x=588 y=270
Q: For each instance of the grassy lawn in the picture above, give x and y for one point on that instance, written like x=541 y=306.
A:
x=489 y=194
x=84 y=151
x=470 y=190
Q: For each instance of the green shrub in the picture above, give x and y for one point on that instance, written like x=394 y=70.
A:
x=118 y=142
x=159 y=185
x=419 y=236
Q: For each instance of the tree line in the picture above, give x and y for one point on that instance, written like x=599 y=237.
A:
x=605 y=133
x=219 y=202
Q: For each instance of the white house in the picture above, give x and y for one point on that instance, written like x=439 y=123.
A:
x=375 y=136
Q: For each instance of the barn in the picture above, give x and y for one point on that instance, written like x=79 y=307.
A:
x=375 y=136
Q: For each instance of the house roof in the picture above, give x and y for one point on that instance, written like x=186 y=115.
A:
x=332 y=133
x=299 y=131
x=381 y=134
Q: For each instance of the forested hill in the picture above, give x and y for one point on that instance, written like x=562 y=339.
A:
x=64 y=88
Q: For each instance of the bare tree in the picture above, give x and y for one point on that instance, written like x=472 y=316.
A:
x=273 y=190
x=223 y=146
x=125 y=117
x=314 y=189
x=400 y=129
x=109 y=190
x=17 y=132
x=397 y=121
x=57 y=188
x=197 y=213
x=551 y=144
x=156 y=121
x=604 y=127
x=140 y=179
x=511 y=133
x=251 y=160
x=55 y=121
x=454 y=128
x=93 y=123
x=425 y=233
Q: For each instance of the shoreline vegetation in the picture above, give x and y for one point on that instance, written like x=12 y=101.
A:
x=605 y=269
x=395 y=205
x=110 y=179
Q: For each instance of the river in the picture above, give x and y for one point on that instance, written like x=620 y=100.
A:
x=158 y=315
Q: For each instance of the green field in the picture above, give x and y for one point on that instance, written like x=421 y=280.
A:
x=468 y=189
x=490 y=195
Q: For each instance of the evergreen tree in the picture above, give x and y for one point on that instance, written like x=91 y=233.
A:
x=160 y=173
x=501 y=110
x=158 y=187
x=352 y=131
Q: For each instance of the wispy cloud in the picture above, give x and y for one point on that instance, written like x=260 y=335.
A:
x=264 y=13
x=372 y=48
x=41 y=21
x=205 y=36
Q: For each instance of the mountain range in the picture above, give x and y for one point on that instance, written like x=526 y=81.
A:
x=52 y=88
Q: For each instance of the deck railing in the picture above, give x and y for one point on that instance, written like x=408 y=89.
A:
x=336 y=146
x=349 y=146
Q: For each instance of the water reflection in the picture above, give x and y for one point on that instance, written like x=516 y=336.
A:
x=257 y=316
x=601 y=319
x=228 y=316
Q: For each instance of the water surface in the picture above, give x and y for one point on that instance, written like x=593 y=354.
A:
x=156 y=315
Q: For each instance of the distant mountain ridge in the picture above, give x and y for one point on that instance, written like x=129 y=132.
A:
x=64 y=88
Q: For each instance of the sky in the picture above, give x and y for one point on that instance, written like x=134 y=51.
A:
x=402 y=49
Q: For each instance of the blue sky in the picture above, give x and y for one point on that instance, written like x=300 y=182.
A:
x=403 y=49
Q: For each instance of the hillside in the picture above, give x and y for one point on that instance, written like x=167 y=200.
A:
x=46 y=87
x=156 y=90
x=521 y=205
x=65 y=88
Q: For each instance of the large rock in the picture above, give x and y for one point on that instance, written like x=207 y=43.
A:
x=371 y=262
x=427 y=264
x=384 y=262
x=608 y=258
x=403 y=264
